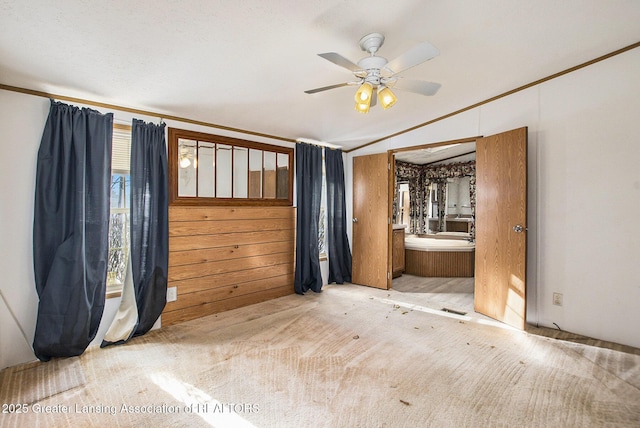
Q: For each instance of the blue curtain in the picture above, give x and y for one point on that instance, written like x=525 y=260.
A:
x=70 y=229
x=338 y=243
x=149 y=221
x=308 y=193
x=145 y=289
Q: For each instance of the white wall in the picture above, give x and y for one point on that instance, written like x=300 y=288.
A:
x=584 y=192
x=22 y=120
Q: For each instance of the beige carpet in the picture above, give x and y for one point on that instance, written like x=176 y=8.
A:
x=350 y=356
x=30 y=383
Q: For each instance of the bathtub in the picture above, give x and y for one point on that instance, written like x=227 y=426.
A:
x=433 y=257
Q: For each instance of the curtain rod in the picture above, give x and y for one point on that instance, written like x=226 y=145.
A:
x=318 y=143
x=139 y=111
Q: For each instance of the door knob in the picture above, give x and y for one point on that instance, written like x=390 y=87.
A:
x=518 y=228
x=355 y=220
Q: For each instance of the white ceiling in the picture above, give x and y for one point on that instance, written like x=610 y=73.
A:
x=245 y=63
x=453 y=153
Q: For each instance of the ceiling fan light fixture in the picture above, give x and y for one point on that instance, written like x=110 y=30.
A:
x=363 y=95
x=375 y=72
x=362 y=107
x=387 y=98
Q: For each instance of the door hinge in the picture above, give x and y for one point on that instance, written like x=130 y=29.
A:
x=388 y=220
x=388 y=275
x=389 y=166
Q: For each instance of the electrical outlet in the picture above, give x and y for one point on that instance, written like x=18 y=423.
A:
x=557 y=299
x=172 y=294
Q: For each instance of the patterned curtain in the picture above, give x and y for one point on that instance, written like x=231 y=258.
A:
x=413 y=206
x=442 y=204
x=396 y=196
x=427 y=198
x=406 y=172
x=419 y=178
x=472 y=198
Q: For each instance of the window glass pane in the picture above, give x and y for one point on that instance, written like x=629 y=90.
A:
x=120 y=191
x=187 y=184
x=240 y=172
x=269 y=175
x=217 y=170
x=282 y=188
x=255 y=173
x=223 y=171
x=118 y=246
x=205 y=166
x=403 y=204
x=322 y=221
x=120 y=201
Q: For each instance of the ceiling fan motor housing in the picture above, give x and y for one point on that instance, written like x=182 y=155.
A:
x=373 y=65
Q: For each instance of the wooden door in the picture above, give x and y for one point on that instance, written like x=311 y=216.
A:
x=371 y=258
x=501 y=224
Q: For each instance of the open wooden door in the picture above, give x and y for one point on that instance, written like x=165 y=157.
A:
x=501 y=226
x=371 y=253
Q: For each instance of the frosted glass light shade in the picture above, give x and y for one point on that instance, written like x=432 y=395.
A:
x=387 y=98
x=363 y=95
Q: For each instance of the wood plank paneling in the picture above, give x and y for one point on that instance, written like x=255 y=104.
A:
x=228 y=253
x=221 y=266
x=203 y=297
x=223 y=258
x=204 y=283
x=440 y=263
x=227 y=213
x=181 y=243
x=211 y=308
x=190 y=228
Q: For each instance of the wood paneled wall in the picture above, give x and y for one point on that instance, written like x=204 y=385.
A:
x=444 y=264
x=222 y=258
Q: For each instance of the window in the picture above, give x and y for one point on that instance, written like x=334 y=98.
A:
x=322 y=222
x=207 y=169
x=433 y=201
x=119 y=210
x=403 y=204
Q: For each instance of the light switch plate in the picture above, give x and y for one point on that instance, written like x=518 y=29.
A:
x=172 y=294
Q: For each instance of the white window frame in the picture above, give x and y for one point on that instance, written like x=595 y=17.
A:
x=119 y=165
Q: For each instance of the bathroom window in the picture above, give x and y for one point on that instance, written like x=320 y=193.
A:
x=403 y=204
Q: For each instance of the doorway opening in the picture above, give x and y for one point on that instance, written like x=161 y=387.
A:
x=434 y=204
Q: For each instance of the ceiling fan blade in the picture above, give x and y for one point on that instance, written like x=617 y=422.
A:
x=414 y=56
x=326 y=88
x=340 y=60
x=417 y=86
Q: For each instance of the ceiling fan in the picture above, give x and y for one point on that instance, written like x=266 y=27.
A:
x=375 y=75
